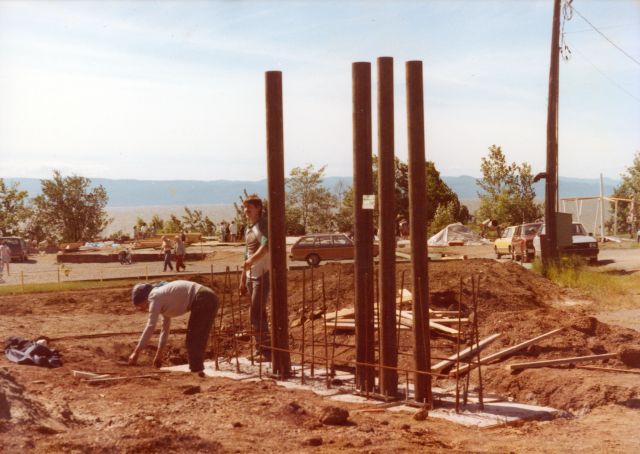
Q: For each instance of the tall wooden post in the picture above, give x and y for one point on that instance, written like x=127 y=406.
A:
x=418 y=231
x=277 y=244
x=551 y=181
x=387 y=231
x=363 y=226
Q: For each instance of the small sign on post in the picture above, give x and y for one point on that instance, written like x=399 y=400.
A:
x=368 y=201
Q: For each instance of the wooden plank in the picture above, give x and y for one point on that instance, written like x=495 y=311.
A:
x=505 y=352
x=561 y=361
x=100 y=380
x=83 y=374
x=443 y=328
x=610 y=369
x=349 y=312
x=451 y=360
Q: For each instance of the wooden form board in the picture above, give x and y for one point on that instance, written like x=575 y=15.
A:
x=561 y=361
x=451 y=360
x=505 y=352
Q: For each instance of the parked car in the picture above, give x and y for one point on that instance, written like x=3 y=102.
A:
x=522 y=247
x=18 y=246
x=324 y=246
x=582 y=244
x=502 y=246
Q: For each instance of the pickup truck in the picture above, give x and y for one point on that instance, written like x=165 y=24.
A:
x=582 y=244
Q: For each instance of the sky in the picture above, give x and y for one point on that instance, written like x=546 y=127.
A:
x=161 y=90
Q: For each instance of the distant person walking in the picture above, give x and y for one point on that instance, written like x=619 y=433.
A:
x=166 y=252
x=233 y=230
x=255 y=278
x=173 y=299
x=5 y=258
x=181 y=251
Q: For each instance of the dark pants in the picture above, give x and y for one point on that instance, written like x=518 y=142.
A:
x=203 y=312
x=167 y=261
x=259 y=292
x=180 y=262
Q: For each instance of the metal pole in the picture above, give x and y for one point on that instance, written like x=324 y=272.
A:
x=304 y=322
x=277 y=235
x=363 y=225
x=387 y=231
x=551 y=182
x=601 y=209
x=418 y=230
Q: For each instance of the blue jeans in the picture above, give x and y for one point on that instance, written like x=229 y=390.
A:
x=203 y=312
x=259 y=292
x=167 y=261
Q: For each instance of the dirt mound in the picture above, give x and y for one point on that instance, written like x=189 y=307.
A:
x=19 y=409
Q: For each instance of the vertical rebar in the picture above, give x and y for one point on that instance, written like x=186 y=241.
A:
x=335 y=320
x=233 y=324
x=418 y=228
x=304 y=322
x=363 y=225
x=239 y=299
x=458 y=349
x=326 y=337
x=313 y=332
x=400 y=311
x=280 y=356
x=476 y=290
x=387 y=231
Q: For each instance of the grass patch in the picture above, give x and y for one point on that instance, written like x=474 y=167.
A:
x=63 y=286
x=611 y=289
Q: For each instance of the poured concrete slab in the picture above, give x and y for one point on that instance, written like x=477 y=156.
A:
x=496 y=411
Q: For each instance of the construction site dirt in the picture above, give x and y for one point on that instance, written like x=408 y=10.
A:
x=53 y=410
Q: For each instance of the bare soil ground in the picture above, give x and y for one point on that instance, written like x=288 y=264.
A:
x=50 y=410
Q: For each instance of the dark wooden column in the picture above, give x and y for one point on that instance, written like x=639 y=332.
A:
x=387 y=230
x=418 y=230
x=277 y=241
x=363 y=226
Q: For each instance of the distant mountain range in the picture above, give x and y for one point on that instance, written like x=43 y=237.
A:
x=131 y=193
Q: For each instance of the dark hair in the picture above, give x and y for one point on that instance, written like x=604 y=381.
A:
x=254 y=200
x=140 y=293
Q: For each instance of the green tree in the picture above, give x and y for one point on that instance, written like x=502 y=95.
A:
x=70 y=210
x=445 y=214
x=628 y=214
x=344 y=214
x=507 y=193
x=172 y=225
x=438 y=193
x=156 y=224
x=308 y=200
x=195 y=221
x=14 y=213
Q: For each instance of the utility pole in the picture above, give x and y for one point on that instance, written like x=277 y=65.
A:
x=551 y=186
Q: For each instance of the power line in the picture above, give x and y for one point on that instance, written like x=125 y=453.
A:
x=605 y=76
x=605 y=36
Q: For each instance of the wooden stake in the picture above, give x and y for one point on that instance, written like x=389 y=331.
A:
x=561 y=361
x=507 y=351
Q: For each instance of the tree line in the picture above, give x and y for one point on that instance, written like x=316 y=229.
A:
x=70 y=210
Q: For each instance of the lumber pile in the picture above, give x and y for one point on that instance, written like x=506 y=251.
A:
x=344 y=319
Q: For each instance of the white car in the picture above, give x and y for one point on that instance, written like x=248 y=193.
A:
x=582 y=243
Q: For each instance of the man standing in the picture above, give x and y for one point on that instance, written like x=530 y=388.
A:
x=172 y=299
x=5 y=258
x=255 y=278
x=233 y=229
